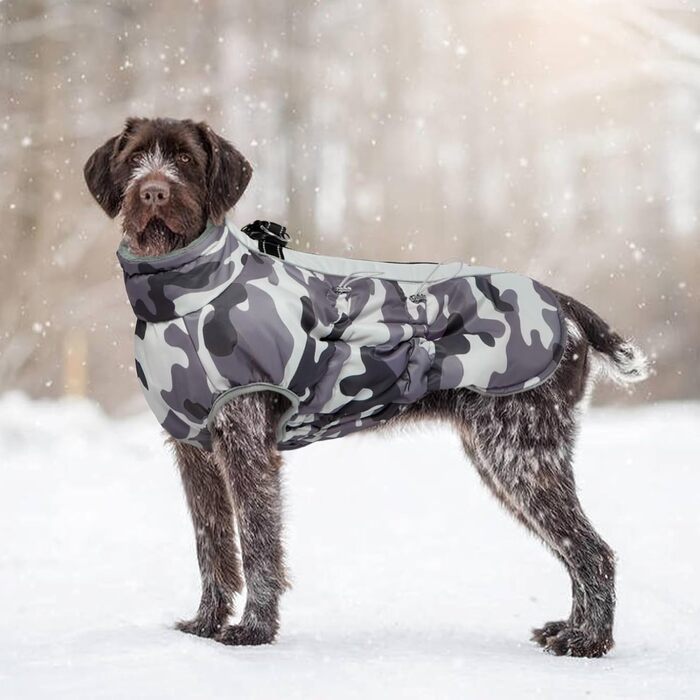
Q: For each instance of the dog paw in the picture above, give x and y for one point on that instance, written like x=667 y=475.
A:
x=201 y=626
x=570 y=641
x=238 y=635
x=549 y=629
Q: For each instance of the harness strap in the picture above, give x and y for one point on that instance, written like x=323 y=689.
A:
x=271 y=237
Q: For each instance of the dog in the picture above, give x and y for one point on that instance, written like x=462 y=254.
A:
x=168 y=178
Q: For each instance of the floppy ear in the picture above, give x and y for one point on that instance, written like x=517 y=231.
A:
x=98 y=173
x=98 y=176
x=228 y=173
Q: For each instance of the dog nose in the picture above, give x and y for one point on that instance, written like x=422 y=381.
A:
x=155 y=193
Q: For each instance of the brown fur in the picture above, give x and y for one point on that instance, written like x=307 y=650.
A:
x=210 y=181
x=521 y=445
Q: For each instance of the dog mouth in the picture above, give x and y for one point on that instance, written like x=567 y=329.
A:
x=159 y=226
x=149 y=222
x=155 y=235
x=160 y=235
x=152 y=227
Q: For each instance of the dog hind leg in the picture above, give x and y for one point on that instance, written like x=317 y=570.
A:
x=549 y=629
x=522 y=450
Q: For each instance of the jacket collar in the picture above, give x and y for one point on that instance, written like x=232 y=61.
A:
x=164 y=287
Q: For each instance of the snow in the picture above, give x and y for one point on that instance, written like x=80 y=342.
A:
x=408 y=579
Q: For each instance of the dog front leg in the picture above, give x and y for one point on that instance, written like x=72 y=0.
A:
x=209 y=501
x=244 y=445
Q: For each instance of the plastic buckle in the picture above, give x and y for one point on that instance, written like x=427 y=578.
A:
x=271 y=237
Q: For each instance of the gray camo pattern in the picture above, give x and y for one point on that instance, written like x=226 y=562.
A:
x=219 y=315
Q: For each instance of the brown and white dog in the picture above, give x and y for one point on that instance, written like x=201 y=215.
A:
x=167 y=178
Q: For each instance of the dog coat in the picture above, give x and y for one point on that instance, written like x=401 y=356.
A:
x=349 y=343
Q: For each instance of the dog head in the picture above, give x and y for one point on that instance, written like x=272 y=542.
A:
x=166 y=177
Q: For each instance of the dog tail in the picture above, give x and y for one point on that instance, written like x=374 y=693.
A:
x=618 y=359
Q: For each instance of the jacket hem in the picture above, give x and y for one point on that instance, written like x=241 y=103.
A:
x=548 y=371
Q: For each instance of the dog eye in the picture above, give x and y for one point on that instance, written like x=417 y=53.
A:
x=135 y=157
x=183 y=158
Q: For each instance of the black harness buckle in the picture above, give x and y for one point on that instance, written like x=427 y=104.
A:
x=271 y=237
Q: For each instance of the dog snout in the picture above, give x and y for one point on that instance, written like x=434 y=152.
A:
x=154 y=193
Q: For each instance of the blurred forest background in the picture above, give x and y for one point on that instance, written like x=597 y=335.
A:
x=555 y=137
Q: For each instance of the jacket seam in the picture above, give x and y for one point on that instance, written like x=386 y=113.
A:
x=254 y=387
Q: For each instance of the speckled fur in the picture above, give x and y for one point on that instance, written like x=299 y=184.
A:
x=521 y=445
x=241 y=476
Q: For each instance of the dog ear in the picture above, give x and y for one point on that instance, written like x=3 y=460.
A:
x=98 y=176
x=228 y=173
x=98 y=171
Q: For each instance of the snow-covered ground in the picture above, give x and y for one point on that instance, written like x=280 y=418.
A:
x=408 y=579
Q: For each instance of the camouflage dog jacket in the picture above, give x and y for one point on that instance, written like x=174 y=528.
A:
x=350 y=343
